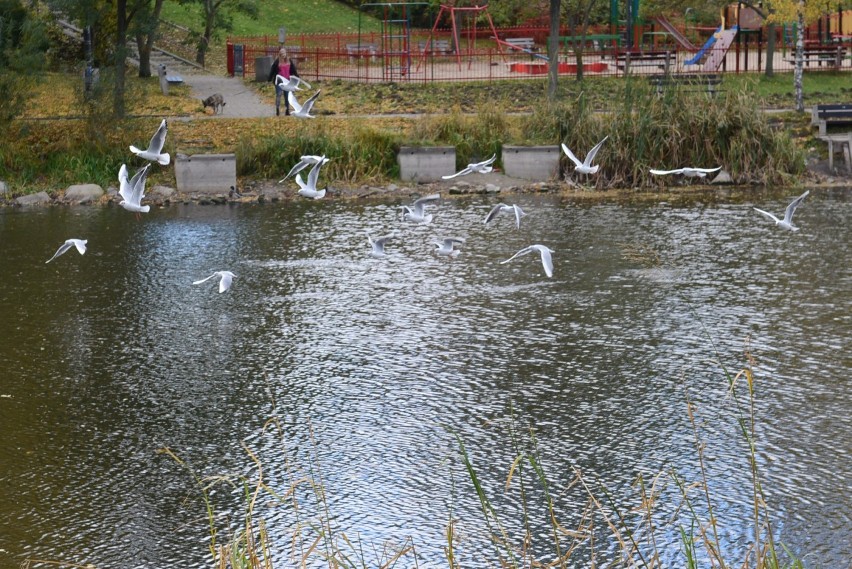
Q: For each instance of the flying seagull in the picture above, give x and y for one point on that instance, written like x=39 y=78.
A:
x=479 y=167
x=687 y=172
x=378 y=245
x=787 y=222
x=309 y=189
x=225 y=278
x=80 y=244
x=291 y=84
x=416 y=212
x=134 y=190
x=303 y=163
x=546 y=260
x=445 y=248
x=154 y=152
x=584 y=167
x=501 y=208
x=302 y=111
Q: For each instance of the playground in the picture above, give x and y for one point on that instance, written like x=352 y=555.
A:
x=464 y=44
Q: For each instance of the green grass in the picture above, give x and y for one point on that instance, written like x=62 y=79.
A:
x=302 y=17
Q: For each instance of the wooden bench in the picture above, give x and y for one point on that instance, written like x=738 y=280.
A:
x=357 y=51
x=522 y=44
x=705 y=82
x=649 y=59
x=832 y=115
x=844 y=144
x=829 y=54
x=434 y=47
x=599 y=41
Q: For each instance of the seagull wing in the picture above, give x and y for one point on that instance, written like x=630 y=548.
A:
x=313 y=176
x=769 y=215
x=519 y=213
x=666 y=172
x=570 y=155
x=425 y=200
x=791 y=209
x=137 y=185
x=300 y=81
x=301 y=183
x=520 y=253
x=594 y=152
x=309 y=104
x=294 y=102
x=204 y=280
x=80 y=244
x=159 y=139
x=225 y=282
x=300 y=165
x=495 y=211
x=708 y=170
x=546 y=259
x=462 y=172
x=62 y=249
x=125 y=188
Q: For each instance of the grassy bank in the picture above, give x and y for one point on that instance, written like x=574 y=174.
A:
x=683 y=128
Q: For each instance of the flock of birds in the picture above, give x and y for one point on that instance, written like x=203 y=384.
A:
x=132 y=191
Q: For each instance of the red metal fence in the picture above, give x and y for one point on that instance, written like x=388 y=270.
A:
x=436 y=58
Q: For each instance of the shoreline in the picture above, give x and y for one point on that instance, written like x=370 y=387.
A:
x=493 y=184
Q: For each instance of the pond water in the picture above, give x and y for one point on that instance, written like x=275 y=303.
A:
x=375 y=369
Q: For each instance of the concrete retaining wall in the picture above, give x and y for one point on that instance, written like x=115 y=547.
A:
x=538 y=163
x=426 y=163
x=206 y=173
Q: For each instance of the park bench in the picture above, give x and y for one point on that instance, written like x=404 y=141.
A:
x=825 y=116
x=628 y=60
x=357 y=51
x=522 y=44
x=831 y=55
x=599 y=42
x=705 y=82
x=434 y=47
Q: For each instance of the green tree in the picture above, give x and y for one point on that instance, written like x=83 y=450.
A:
x=218 y=16
x=23 y=42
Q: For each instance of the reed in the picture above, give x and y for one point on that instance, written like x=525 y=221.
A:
x=475 y=137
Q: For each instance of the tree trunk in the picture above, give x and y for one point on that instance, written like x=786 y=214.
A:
x=800 y=57
x=143 y=48
x=120 y=57
x=145 y=41
x=770 y=49
x=553 y=50
x=210 y=8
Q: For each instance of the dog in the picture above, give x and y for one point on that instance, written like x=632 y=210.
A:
x=216 y=102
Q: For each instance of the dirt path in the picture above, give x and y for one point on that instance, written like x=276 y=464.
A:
x=241 y=101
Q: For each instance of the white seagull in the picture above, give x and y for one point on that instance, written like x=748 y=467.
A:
x=134 y=190
x=416 y=212
x=478 y=167
x=302 y=111
x=378 y=245
x=303 y=163
x=687 y=172
x=546 y=259
x=500 y=208
x=445 y=247
x=309 y=189
x=584 y=167
x=787 y=222
x=154 y=152
x=80 y=244
x=225 y=278
x=291 y=84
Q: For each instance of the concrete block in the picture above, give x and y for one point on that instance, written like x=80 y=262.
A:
x=426 y=163
x=206 y=173
x=538 y=163
x=262 y=65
